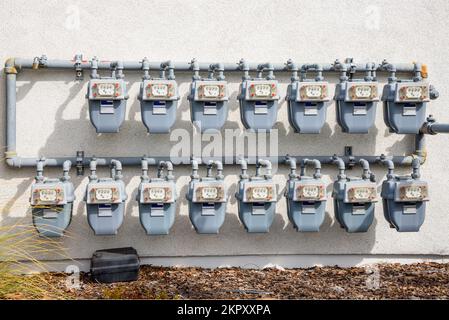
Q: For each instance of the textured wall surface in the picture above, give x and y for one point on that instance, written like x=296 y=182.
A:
x=53 y=115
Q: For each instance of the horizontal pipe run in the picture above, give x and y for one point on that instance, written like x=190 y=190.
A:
x=19 y=162
x=185 y=66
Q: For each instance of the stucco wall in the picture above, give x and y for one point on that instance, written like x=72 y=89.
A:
x=53 y=118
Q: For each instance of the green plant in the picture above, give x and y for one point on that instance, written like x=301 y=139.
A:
x=20 y=271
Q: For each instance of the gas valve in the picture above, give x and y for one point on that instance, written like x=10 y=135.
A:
x=105 y=200
x=307 y=99
x=52 y=202
x=157 y=199
x=354 y=198
x=257 y=197
x=258 y=98
x=405 y=101
x=207 y=198
x=209 y=98
x=107 y=98
x=356 y=99
x=404 y=198
x=158 y=98
x=306 y=197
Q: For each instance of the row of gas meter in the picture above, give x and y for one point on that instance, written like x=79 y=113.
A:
x=404 y=198
x=356 y=99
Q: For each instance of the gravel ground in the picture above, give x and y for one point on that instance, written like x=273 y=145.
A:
x=392 y=281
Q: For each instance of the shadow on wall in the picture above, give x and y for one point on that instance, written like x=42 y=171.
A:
x=183 y=240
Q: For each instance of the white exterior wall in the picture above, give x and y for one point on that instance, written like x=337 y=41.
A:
x=52 y=113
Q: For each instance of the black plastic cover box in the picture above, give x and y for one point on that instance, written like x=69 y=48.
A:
x=115 y=265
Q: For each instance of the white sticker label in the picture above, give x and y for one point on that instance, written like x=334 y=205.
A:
x=104 y=211
x=411 y=209
x=159 y=109
x=208 y=209
x=260 y=109
x=409 y=111
x=358 y=210
x=210 y=109
x=308 y=209
x=310 y=110
x=157 y=210
x=359 y=110
x=258 y=210
x=50 y=214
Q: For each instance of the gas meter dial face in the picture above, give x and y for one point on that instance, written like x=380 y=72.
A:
x=260 y=193
x=106 y=89
x=312 y=91
x=412 y=92
x=310 y=192
x=103 y=194
x=261 y=90
x=362 y=194
x=47 y=195
x=362 y=91
x=413 y=192
x=212 y=90
x=159 y=89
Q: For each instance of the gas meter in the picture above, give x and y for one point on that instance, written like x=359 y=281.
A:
x=105 y=200
x=258 y=98
x=158 y=98
x=306 y=197
x=52 y=202
x=209 y=98
x=307 y=99
x=207 y=198
x=405 y=101
x=404 y=198
x=356 y=99
x=157 y=199
x=354 y=198
x=257 y=197
x=107 y=98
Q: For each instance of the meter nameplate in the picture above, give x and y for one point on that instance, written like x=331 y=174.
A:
x=50 y=214
x=258 y=209
x=107 y=107
x=210 y=108
x=409 y=111
x=208 y=209
x=409 y=209
x=359 y=110
x=159 y=107
x=310 y=110
x=105 y=210
x=260 y=108
x=308 y=209
x=157 y=210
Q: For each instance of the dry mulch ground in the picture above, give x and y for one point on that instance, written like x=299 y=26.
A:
x=392 y=281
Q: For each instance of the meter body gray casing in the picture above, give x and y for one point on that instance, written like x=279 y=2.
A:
x=307 y=115
x=404 y=116
x=156 y=216
x=51 y=218
x=158 y=112
x=353 y=216
x=353 y=115
x=403 y=214
x=206 y=215
x=256 y=215
x=107 y=113
x=306 y=215
x=258 y=113
x=208 y=112
x=105 y=217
